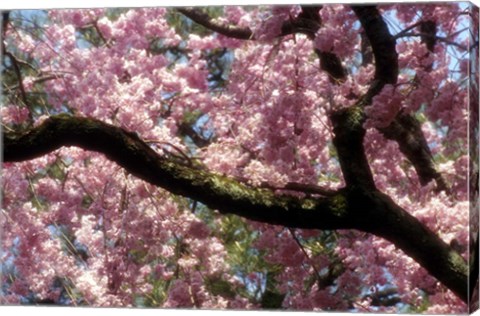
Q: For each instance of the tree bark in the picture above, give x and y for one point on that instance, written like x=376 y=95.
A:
x=405 y=129
x=355 y=207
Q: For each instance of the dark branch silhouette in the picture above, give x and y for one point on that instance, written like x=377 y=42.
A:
x=360 y=205
x=308 y=22
x=205 y=20
x=357 y=206
x=405 y=129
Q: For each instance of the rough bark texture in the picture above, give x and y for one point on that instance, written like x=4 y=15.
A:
x=405 y=129
x=359 y=206
x=383 y=44
x=348 y=140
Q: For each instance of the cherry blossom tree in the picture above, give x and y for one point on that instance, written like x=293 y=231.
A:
x=296 y=157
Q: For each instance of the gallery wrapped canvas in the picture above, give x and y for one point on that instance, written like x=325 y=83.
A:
x=301 y=158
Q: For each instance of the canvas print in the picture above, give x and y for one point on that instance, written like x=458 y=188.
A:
x=316 y=157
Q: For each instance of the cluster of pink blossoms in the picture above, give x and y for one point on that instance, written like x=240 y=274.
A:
x=80 y=230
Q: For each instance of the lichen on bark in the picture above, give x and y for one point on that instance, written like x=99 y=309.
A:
x=357 y=206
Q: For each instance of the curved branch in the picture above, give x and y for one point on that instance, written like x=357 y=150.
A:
x=405 y=129
x=383 y=47
x=301 y=25
x=396 y=225
x=223 y=28
x=216 y=191
x=308 y=22
x=353 y=208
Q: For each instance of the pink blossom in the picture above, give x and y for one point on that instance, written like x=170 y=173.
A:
x=195 y=78
x=271 y=25
x=198 y=230
x=385 y=106
x=14 y=114
x=179 y=295
x=115 y=240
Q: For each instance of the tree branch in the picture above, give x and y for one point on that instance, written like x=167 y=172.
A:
x=405 y=129
x=5 y=20
x=206 y=21
x=383 y=47
x=18 y=72
x=308 y=22
x=381 y=216
x=348 y=140
x=133 y=154
x=329 y=62
x=301 y=25
x=407 y=132
x=439 y=259
x=355 y=207
x=433 y=38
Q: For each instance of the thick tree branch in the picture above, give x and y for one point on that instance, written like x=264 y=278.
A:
x=429 y=29
x=407 y=132
x=383 y=47
x=301 y=25
x=357 y=207
x=5 y=19
x=396 y=225
x=417 y=241
x=348 y=140
x=216 y=191
x=405 y=129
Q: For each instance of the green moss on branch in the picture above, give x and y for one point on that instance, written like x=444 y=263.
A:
x=359 y=206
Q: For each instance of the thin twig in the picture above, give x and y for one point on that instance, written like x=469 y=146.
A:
x=83 y=188
x=438 y=38
x=178 y=150
x=100 y=34
x=411 y=27
x=21 y=87
x=310 y=261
